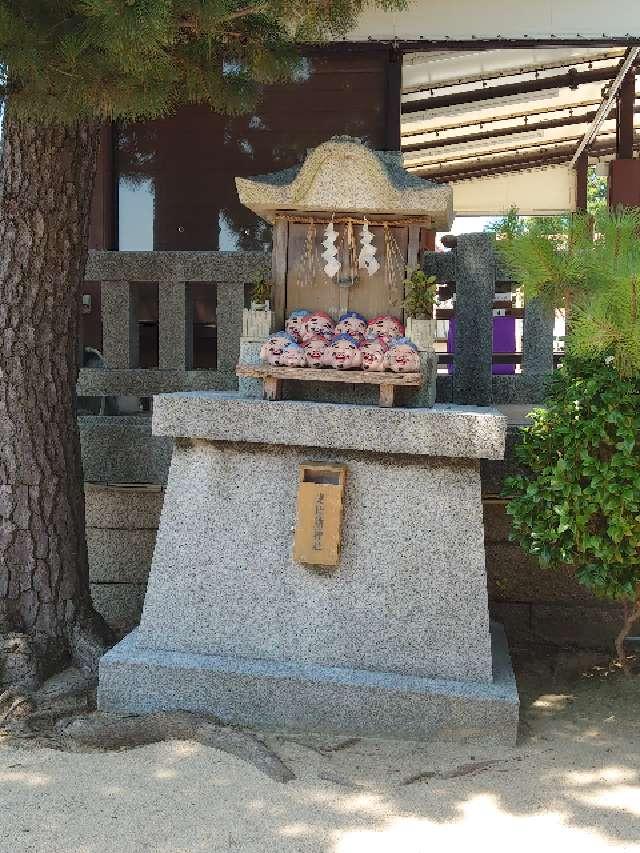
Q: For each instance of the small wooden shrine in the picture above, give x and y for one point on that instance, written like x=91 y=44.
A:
x=347 y=225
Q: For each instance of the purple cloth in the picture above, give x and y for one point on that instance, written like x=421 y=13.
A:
x=504 y=340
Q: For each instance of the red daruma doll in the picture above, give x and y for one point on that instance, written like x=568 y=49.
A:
x=272 y=349
x=373 y=351
x=318 y=323
x=295 y=323
x=402 y=356
x=293 y=356
x=386 y=327
x=353 y=324
x=315 y=349
x=343 y=353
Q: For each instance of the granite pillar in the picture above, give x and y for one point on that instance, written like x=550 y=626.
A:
x=537 y=347
x=175 y=344
x=120 y=341
x=475 y=290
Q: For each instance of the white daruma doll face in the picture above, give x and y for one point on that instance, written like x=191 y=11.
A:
x=373 y=351
x=315 y=350
x=343 y=354
x=386 y=326
x=295 y=324
x=402 y=357
x=318 y=323
x=353 y=324
x=272 y=349
x=293 y=356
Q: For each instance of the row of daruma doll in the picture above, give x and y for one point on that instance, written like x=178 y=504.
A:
x=312 y=340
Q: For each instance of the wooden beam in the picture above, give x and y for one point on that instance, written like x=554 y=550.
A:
x=572 y=79
x=581 y=169
x=592 y=132
x=625 y=113
x=393 y=100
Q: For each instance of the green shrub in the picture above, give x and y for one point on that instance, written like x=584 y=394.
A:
x=420 y=295
x=578 y=498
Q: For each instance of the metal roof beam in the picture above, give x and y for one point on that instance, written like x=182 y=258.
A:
x=571 y=80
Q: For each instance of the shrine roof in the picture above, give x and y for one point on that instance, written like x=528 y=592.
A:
x=344 y=176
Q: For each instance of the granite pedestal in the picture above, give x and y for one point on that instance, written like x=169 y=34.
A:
x=394 y=641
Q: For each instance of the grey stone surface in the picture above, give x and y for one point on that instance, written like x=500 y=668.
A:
x=440 y=264
x=475 y=290
x=302 y=698
x=120 y=556
x=409 y=594
x=425 y=396
x=445 y=431
x=229 y=320
x=148 y=382
x=238 y=267
x=120 y=507
x=119 y=328
x=175 y=332
x=537 y=342
x=119 y=603
x=250 y=354
x=122 y=450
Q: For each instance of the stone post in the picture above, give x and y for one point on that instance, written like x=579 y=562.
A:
x=120 y=341
x=229 y=320
x=175 y=326
x=537 y=346
x=475 y=290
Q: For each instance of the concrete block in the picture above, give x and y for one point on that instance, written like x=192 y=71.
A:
x=122 y=507
x=119 y=603
x=588 y=627
x=121 y=449
x=120 y=556
x=120 y=343
x=443 y=431
x=294 y=697
x=537 y=343
x=175 y=333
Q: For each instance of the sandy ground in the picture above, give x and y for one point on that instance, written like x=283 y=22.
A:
x=571 y=783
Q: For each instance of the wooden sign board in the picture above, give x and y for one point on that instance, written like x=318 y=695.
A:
x=319 y=514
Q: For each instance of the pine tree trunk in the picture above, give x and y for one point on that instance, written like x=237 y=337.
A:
x=46 y=180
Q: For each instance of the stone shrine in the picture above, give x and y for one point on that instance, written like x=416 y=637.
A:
x=392 y=640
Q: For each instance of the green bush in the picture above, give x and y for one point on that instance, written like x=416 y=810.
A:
x=578 y=498
x=421 y=294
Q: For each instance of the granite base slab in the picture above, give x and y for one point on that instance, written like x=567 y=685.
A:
x=292 y=697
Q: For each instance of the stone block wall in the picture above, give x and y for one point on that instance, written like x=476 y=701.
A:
x=122 y=523
x=535 y=605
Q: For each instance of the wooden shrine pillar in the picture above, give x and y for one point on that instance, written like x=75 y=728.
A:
x=393 y=100
x=581 y=170
x=624 y=173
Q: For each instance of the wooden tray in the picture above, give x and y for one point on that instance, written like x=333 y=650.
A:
x=273 y=377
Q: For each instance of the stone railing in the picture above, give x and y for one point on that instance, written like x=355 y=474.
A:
x=474 y=269
x=121 y=272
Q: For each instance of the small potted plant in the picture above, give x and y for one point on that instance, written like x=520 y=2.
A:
x=421 y=295
x=258 y=319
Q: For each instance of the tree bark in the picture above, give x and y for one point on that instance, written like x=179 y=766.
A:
x=46 y=181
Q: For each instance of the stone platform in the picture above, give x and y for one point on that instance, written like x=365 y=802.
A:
x=395 y=641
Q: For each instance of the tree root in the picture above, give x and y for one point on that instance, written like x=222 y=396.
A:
x=89 y=638
x=120 y=731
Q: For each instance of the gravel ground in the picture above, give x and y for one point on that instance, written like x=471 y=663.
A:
x=571 y=783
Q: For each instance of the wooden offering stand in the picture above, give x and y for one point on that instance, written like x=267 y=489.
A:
x=273 y=377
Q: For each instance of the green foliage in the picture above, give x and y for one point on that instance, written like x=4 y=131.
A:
x=597 y=192
x=420 y=294
x=261 y=291
x=136 y=59
x=578 y=499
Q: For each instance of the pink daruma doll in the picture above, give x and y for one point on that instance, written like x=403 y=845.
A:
x=318 y=323
x=373 y=352
x=272 y=349
x=293 y=356
x=402 y=356
x=315 y=349
x=386 y=326
x=353 y=324
x=343 y=353
x=295 y=323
